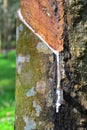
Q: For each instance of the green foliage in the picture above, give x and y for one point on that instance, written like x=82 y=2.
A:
x=7 y=91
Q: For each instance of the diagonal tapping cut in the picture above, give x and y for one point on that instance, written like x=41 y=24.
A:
x=47 y=20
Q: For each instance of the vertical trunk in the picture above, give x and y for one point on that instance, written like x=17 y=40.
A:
x=5 y=4
x=0 y=41
x=36 y=77
x=5 y=30
x=34 y=103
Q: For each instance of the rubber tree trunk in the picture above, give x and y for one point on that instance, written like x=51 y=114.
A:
x=33 y=82
x=36 y=85
x=36 y=78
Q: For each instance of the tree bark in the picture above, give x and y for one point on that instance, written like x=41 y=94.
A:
x=34 y=103
x=36 y=77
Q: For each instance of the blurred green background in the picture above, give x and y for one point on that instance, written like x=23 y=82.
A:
x=7 y=62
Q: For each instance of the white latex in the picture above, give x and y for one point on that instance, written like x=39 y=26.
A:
x=59 y=99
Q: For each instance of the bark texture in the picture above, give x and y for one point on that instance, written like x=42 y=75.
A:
x=36 y=77
x=33 y=83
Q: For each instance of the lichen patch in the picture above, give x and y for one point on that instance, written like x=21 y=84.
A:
x=41 y=87
x=31 y=92
x=30 y=124
x=37 y=108
x=20 y=60
x=42 y=48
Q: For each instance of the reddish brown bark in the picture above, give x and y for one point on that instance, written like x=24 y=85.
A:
x=47 y=18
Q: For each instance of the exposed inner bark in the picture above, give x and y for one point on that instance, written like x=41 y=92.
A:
x=47 y=18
